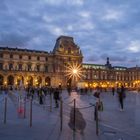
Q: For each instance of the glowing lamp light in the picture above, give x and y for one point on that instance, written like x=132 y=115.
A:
x=86 y=85
x=74 y=71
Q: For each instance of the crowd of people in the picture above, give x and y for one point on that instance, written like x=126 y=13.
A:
x=42 y=92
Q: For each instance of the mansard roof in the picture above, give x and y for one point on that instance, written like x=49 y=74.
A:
x=21 y=50
x=64 y=41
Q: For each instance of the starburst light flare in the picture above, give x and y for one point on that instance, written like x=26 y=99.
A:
x=74 y=71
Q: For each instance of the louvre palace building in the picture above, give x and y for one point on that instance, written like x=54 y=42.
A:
x=42 y=68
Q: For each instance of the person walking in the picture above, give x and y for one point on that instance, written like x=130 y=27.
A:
x=113 y=91
x=56 y=97
x=121 y=96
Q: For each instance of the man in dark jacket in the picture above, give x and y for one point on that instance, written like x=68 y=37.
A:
x=121 y=96
x=56 y=97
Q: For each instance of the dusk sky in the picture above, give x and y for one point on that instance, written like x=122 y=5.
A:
x=102 y=28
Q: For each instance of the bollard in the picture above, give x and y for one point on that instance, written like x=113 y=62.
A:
x=5 y=110
x=24 y=115
x=61 y=115
x=74 y=113
x=96 y=117
x=31 y=113
x=50 y=102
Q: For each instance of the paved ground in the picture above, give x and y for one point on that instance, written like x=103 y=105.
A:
x=113 y=124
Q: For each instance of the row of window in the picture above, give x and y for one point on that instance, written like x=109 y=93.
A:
x=19 y=67
x=20 y=57
x=110 y=77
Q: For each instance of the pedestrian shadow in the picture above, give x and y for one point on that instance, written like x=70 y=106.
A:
x=80 y=123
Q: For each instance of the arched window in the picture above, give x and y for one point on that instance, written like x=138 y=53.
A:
x=19 y=66
x=29 y=67
x=10 y=66
x=38 y=67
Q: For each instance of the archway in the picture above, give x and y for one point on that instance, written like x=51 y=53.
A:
x=20 y=80
x=47 y=81
x=30 y=81
x=38 y=81
x=10 y=80
x=1 y=80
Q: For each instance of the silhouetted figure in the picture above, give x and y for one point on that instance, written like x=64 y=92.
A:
x=40 y=97
x=56 y=97
x=113 y=91
x=121 y=96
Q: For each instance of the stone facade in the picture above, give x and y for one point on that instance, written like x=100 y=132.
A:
x=107 y=76
x=38 y=68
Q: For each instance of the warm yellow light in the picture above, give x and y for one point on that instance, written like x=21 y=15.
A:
x=5 y=82
x=86 y=85
x=74 y=71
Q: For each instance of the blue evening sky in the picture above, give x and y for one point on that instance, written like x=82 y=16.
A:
x=102 y=28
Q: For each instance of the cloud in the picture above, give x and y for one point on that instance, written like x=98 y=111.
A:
x=112 y=14
x=13 y=40
x=67 y=2
x=101 y=28
x=85 y=14
x=134 y=46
